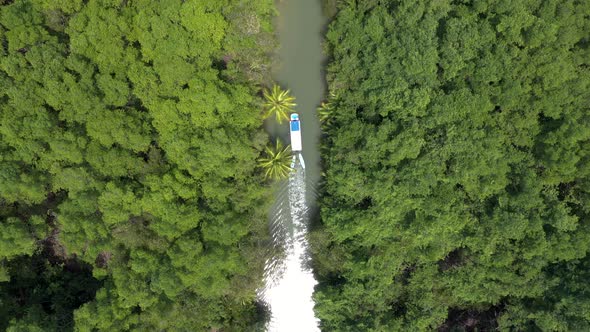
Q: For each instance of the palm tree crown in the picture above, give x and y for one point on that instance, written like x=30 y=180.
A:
x=277 y=162
x=326 y=110
x=279 y=103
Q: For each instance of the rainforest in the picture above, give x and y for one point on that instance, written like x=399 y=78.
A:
x=457 y=154
x=130 y=194
x=137 y=169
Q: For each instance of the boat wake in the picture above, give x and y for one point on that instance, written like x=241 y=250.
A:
x=289 y=282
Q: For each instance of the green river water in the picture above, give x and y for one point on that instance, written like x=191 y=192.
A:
x=300 y=69
x=289 y=282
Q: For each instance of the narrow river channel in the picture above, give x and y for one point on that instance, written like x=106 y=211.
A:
x=289 y=281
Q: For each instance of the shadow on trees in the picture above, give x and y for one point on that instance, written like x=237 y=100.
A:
x=44 y=292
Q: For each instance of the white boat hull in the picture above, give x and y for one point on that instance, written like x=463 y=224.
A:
x=295 y=130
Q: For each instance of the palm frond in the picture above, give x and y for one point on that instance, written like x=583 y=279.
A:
x=278 y=102
x=277 y=161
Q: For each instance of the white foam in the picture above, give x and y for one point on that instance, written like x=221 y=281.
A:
x=289 y=283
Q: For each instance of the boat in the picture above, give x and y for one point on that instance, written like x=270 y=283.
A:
x=295 y=130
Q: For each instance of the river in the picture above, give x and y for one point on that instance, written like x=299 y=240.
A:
x=289 y=281
x=300 y=27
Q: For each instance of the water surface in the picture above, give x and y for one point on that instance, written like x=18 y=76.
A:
x=300 y=69
x=288 y=278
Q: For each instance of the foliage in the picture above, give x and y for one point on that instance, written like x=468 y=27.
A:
x=129 y=134
x=278 y=103
x=43 y=296
x=456 y=167
x=325 y=110
x=277 y=161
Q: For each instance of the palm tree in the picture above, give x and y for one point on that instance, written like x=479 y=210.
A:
x=277 y=162
x=325 y=110
x=279 y=103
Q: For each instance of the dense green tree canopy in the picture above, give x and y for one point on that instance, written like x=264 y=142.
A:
x=129 y=133
x=457 y=167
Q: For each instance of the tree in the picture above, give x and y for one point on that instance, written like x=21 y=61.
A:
x=278 y=103
x=277 y=161
x=325 y=113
